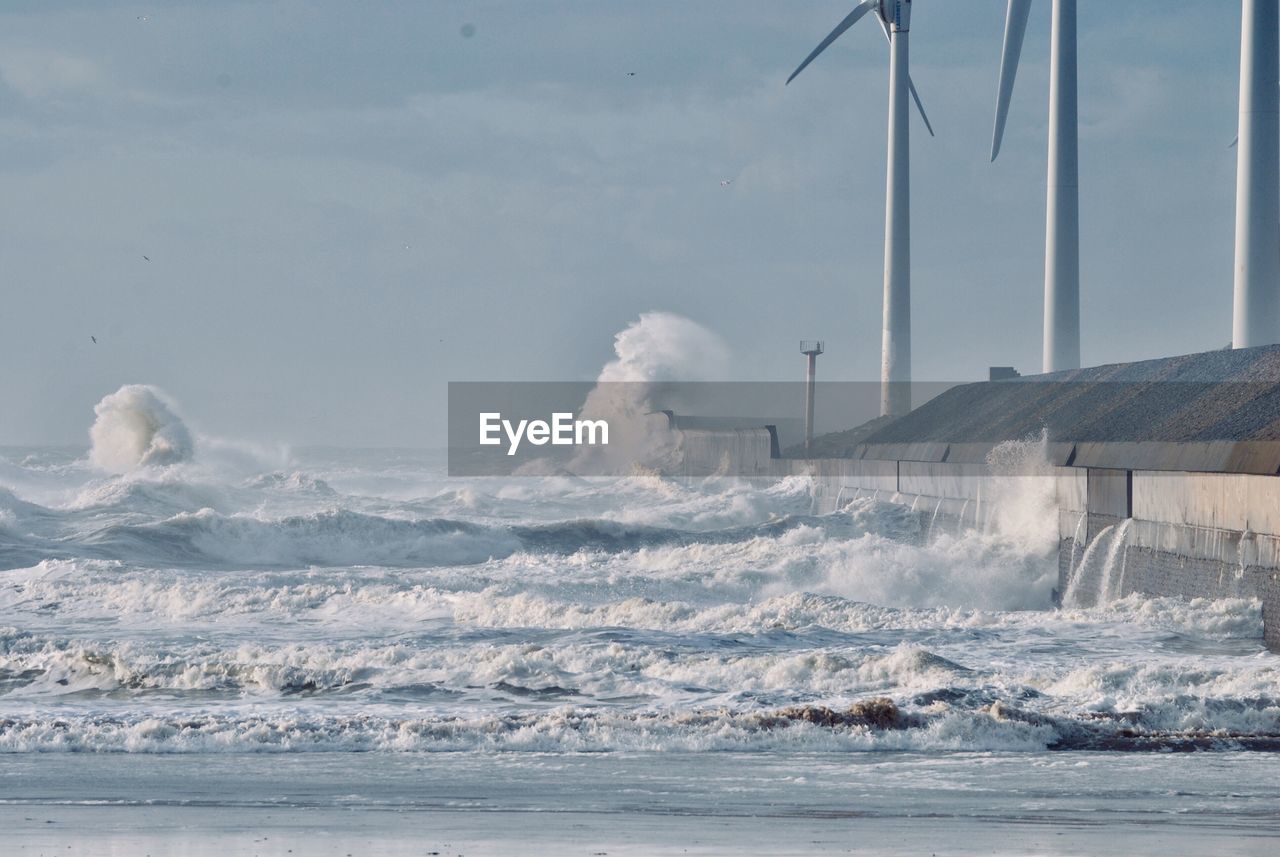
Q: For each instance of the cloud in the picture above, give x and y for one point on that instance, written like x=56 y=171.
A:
x=39 y=75
x=335 y=193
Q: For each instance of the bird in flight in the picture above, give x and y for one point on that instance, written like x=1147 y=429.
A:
x=726 y=182
x=94 y=338
x=148 y=258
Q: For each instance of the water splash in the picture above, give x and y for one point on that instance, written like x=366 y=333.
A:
x=136 y=426
x=1021 y=504
x=652 y=353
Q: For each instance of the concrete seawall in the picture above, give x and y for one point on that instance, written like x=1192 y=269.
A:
x=1162 y=475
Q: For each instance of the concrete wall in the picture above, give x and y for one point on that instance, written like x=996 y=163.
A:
x=948 y=481
x=1185 y=535
x=1163 y=533
x=733 y=452
x=1166 y=477
x=1181 y=523
x=1230 y=501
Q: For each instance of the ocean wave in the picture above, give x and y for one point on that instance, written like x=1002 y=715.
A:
x=678 y=590
x=364 y=603
x=292 y=481
x=338 y=537
x=599 y=666
x=504 y=670
x=135 y=427
x=869 y=726
x=150 y=498
x=151 y=523
x=14 y=506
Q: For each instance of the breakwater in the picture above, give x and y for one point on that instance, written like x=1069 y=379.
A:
x=1164 y=475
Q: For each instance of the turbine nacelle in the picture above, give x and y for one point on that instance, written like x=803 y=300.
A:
x=896 y=14
x=895 y=17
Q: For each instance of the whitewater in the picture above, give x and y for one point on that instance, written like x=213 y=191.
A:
x=362 y=600
x=203 y=642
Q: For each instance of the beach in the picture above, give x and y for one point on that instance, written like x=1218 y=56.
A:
x=632 y=804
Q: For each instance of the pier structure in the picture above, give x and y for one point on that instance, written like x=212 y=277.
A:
x=1163 y=476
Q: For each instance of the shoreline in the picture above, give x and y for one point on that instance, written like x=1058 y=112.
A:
x=623 y=804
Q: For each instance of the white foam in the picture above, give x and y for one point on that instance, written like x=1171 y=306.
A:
x=136 y=426
x=366 y=603
x=659 y=347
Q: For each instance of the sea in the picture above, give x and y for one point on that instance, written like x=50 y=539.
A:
x=349 y=651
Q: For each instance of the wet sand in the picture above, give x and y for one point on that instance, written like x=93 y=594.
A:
x=630 y=804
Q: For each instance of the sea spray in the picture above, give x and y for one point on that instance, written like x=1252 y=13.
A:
x=663 y=346
x=1007 y=561
x=894 y=564
x=1022 y=494
x=137 y=426
x=652 y=354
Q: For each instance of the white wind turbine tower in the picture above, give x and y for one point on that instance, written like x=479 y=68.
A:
x=895 y=360
x=1256 y=316
x=1062 y=229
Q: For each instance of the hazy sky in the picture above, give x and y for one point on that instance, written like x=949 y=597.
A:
x=348 y=204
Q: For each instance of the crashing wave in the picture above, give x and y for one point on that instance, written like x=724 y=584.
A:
x=136 y=426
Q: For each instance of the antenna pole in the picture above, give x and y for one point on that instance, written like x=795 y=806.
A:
x=810 y=350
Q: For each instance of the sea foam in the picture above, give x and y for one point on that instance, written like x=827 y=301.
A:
x=136 y=426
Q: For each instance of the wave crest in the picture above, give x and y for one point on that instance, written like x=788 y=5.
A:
x=137 y=427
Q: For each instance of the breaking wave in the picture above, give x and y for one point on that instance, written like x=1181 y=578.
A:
x=136 y=426
x=872 y=726
x=207 y=538
x=659 y=347
x=359 y=600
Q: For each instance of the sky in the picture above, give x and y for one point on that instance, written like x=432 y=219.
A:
x=344 y=206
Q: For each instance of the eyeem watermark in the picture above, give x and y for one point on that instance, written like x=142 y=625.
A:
x=563 y=430
x=537 y=429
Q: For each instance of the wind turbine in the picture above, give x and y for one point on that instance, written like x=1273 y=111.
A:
x=1256 y=305
x=1062 y=227
x=895 y=358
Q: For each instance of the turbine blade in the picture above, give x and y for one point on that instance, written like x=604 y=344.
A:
x=884 y=27
x=1015 y=29
x=852 y=18
x=920 y=106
